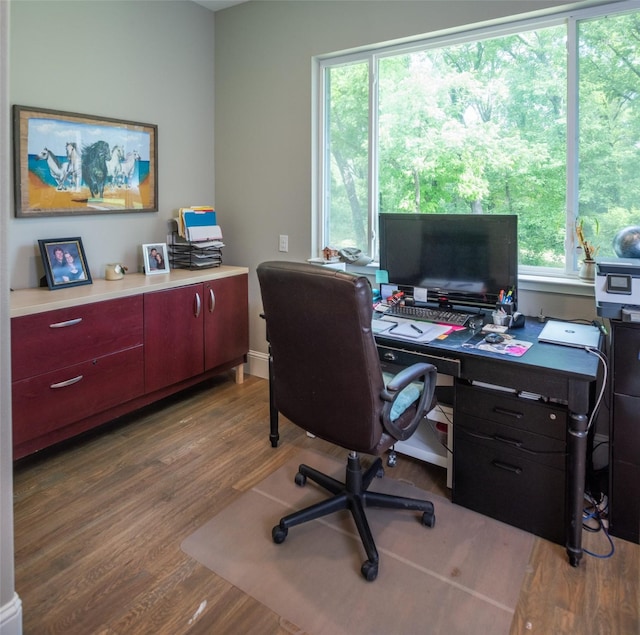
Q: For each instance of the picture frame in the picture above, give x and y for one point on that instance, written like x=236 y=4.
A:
x=155 y=258
x=70 y=164
x=65 y=263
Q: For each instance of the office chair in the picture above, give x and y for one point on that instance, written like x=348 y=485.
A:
x=327 y=379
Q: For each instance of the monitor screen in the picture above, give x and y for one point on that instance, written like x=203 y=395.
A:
x=451 y=259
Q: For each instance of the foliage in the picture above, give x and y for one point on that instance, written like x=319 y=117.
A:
x=480 y=127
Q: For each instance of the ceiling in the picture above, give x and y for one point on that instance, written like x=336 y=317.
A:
x=216 y=5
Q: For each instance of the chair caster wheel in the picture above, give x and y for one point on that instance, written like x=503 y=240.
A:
x=279 y=534
x=301 y=479
x=369 y=570
x=428 y=519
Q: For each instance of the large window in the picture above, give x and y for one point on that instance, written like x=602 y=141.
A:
x=540 y=119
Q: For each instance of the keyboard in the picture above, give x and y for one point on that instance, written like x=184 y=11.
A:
x=431 y=315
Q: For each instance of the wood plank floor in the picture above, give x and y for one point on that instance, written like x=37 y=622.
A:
x=99 y=522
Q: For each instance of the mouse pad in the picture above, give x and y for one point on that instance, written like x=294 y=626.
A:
x=510 y=346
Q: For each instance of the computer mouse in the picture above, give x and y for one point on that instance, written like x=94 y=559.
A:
x=494 y=338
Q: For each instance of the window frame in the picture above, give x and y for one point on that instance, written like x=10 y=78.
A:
x=462 y=34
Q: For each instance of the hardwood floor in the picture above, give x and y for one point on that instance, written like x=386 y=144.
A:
x=99 y=522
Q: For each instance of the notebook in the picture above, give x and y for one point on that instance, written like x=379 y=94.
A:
x=570 y=334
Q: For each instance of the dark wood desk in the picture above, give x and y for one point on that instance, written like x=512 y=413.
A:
x=556 y=372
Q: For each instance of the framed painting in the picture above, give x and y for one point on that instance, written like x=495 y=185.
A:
x=71 y=164
x=155 y=259
x=65 y=264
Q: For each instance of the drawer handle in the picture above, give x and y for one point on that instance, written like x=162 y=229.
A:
x=197 y=305
x=212 y=301
x=60 y=325
x=389 y=356
x=68 y=382
x=514 y=442
x=496 y=437
x=507 y=467
x=508 y=413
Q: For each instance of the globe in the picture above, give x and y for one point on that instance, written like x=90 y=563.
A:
x=626 y=242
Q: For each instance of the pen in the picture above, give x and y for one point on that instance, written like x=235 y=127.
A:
x=415 y=328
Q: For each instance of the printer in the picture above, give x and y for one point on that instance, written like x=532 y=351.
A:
x=617 y=287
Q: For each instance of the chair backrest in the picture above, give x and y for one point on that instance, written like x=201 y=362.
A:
x=327 y=377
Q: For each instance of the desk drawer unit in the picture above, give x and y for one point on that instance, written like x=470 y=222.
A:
x=509 y=460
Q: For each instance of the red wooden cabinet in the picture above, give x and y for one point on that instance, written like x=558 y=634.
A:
x=193 y=329
x=70 y=364
x=226 y=320
x=80 y=366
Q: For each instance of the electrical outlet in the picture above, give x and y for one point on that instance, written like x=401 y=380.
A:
x=284 y=243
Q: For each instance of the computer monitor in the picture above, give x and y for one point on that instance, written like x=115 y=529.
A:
x=451 y=259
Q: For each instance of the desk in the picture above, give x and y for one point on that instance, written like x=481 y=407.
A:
x=556 y=372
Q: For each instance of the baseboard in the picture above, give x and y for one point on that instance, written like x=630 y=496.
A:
x=258 y=364
x=11 y=617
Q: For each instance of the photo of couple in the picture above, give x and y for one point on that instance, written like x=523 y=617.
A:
x=64 y=262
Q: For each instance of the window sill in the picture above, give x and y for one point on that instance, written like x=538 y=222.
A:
x=565 y=285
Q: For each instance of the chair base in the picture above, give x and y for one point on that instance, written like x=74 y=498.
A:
x=352 y=495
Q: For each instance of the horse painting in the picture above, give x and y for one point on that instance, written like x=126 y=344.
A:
x=57 y=170
x=128 y=168
x=94 y=167
x=74 y=173
x=114 y=168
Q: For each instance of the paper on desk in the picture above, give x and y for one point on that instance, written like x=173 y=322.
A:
x=417 y=331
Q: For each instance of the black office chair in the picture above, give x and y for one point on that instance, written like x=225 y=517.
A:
x=327 y=379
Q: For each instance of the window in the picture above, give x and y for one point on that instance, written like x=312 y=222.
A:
x=540 y=119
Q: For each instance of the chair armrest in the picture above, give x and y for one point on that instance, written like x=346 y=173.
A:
x=425 y=374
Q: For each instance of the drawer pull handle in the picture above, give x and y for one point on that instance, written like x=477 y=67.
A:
x=212 y=301
x=514 y=442
x=389 y=356
x=68 y=382
x=506 y=466
x=508 y=413
x=60 y=325
x=197 y=305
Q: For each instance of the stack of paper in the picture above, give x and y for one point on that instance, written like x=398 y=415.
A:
x=197 y=241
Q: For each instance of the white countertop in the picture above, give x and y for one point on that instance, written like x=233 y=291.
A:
x=30 y=301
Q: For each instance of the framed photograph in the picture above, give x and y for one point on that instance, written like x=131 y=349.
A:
x=155 y=259
x=67 y=164
x=65 y=264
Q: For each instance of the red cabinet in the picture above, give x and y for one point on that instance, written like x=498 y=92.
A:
x=193 y=329
x=81 y=365
x=70 y=364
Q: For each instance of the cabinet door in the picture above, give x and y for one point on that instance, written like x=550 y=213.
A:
x=173 y=336
x=626 y=355
x=226 y=320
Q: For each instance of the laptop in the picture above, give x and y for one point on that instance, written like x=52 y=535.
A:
x=570 y=334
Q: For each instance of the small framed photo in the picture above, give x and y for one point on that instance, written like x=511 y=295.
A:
x=65 y=264
x=155 y=259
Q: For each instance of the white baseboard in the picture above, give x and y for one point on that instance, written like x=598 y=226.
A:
x=11 y=617
x=257 y=364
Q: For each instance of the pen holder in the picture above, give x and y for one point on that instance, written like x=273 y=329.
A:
x=500 y=318
x=506 y=307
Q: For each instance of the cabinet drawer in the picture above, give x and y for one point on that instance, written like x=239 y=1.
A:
x=55 y=339
x=509 y=410
x=52 y=400
x=509 y=488
x=522 y=443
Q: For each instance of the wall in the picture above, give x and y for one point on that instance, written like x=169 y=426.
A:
x=264 y=153
x=146 y=61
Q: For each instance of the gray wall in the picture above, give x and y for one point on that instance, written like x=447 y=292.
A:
x=148 y=61
x=264 y=153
